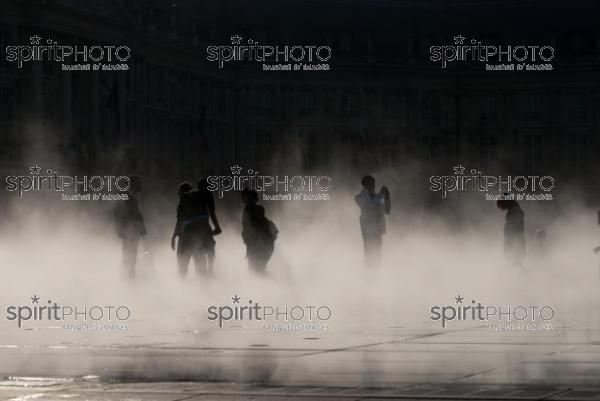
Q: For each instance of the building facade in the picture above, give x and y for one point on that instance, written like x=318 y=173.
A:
x=383 y=105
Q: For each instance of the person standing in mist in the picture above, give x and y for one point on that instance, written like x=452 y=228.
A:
x=373 y=208
x=194 y=212
x=258 y=232
x=597 y=249
x=514 y=229
x=130 y=226
x=184 y=189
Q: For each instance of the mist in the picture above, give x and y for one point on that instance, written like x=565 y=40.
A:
x=69 y=252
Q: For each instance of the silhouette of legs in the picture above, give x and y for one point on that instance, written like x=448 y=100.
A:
x=130 y=250
x=259 y=256
x=184 y=253
x=372 y=249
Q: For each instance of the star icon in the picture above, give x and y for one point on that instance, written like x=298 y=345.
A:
x=459 y=299
x=34 y=170
x=236 y=299
x=235 y=170
x=459 y=169
x=35 y=299
x=35 y=40
x=458 y=40
x=236 y=39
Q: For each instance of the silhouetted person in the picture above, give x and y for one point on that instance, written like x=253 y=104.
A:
x=129 y=224
x=539 y=243
x=183 y=189
x=597 y=249
x=373 y=208
x=514 y=230
x=208 y=198
x=195 y=211
x=258 y=232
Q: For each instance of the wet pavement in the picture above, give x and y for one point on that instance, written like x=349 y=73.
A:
x=229 y=392
x=465 y=362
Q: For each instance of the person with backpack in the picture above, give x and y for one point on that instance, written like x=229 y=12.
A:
x=195 y=235
x=258 y=232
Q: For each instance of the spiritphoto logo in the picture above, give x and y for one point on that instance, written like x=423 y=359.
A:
x=273 y=58
x=72 y=318
x=521 y=187
x=272 y=317
x=71 y=187
x=506 y=317
x=106 y=57
x=495 y=57
x=278 y=187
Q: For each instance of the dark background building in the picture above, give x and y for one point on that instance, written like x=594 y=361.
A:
x=384 y=103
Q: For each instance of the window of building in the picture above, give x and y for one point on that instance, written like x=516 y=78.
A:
x=576 y=110
x=264 y=100
x=487 y=151
x=431 y=149
x=312 y=151
x=390 y=147
x=578 y=148
x=530 y=107
x=488 y=109
x=350 y=104
x=431 y=109
x=533 y=152
x=306 y=101
x=7 y=106
x=329 y=101
x=391 y=101
x=345 y=42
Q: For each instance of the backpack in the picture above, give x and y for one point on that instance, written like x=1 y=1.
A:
x=272 y=229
